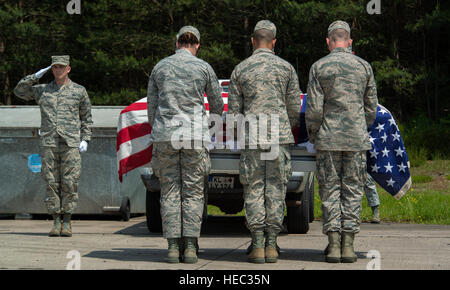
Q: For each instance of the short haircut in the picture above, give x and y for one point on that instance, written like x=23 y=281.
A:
x=188 y=39
x=339 y=35
x=263 y=35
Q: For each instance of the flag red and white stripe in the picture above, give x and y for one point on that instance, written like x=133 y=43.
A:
x=134 y=148
x=133 y=138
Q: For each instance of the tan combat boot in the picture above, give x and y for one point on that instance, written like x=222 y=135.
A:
x=190 y=250
x=56 y=230
x=375 y=215
x=348 y=253
x=333 y=251
x=67 y=226
x=257 y=254
x=271 y=248
x=173 y=256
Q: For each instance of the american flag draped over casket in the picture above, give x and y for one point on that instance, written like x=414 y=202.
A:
x=134 y=148
x=387 y=162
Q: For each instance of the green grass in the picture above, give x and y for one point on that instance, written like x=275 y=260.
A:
x=435 y=167
x=417 y=155
x=427 y=202
x=214 y=210
x=421 y=207
x=421 y=179
x=425 y=207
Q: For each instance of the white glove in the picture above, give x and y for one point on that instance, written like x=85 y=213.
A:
x=83 y=146
x=40 y=73
x=211 y=146
x=310 y=147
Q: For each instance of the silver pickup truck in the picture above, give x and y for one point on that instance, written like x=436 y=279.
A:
x=223 y=189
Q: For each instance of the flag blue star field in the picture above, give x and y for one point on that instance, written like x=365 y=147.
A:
x=387 y=162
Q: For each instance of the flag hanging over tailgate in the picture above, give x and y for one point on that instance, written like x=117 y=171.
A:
x=387 y=162
x=134 y=148
x=133 y=138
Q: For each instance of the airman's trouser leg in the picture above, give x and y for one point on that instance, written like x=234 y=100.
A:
x=370 y=190
x=166 y=166
x=264 y=183
x=341 y=176
x=373 y=199
x=195 y=165
x=181 y=174
x=61 y=168
x=51 y=174
x=70 y=177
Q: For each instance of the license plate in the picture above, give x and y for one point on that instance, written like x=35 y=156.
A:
x=221 y=182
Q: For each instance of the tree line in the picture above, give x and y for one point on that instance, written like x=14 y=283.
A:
x=114 y=44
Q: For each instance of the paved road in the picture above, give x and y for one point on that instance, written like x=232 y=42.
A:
x=111 y=244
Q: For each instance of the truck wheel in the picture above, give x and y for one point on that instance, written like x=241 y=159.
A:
x=298 y=216
x=125 y=209
x=153 y=212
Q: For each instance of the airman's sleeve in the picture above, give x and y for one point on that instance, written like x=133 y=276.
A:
x=235 y=97
x=85 y=117
x=370 y=99
x=152 y=99
x=214 y=93
x=293 y=99
x=314 y=105
x=27 y=89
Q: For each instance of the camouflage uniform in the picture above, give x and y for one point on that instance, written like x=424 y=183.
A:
x=371 y=192
x=181 y=174
x=65 y=121
x=175 y=98
x=266 y=84
x=341 y=103
x=341 y=176
x=264 y=183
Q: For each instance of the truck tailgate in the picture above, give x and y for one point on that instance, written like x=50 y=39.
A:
x=227 y=161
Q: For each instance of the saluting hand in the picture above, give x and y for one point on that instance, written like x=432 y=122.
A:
x=40 y=73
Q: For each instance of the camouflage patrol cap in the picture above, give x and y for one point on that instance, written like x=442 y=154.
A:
x=266 y=24
x=339 y=24
x=60 y=59
x=190 y=29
